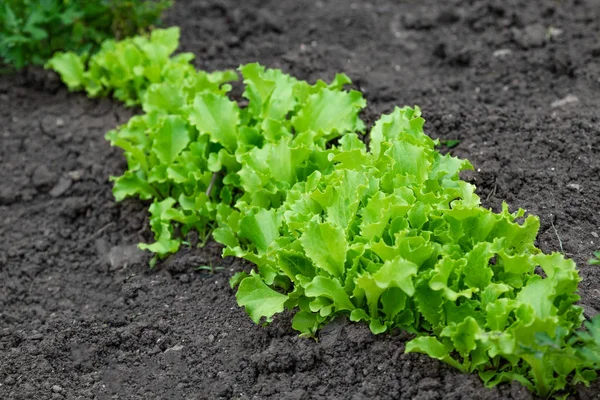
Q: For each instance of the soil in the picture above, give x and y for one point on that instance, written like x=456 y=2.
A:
x=81 y=315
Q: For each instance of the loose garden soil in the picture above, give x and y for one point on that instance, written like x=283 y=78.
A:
x=82 y=316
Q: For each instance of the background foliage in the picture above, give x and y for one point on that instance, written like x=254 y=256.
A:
x=31 y=31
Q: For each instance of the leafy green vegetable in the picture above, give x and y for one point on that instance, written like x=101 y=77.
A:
x=31 y=31
x=195 y=152
x=259 y=299
x=128 y=68
x=394 y=237
x=388 y=235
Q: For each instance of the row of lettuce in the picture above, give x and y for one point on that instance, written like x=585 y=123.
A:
x=389 y=234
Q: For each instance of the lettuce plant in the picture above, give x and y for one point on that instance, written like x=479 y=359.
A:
x=389 y=235
x=393 y=237
x=194 y=150
x=127 y=68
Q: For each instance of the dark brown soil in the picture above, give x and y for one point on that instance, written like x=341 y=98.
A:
x=81 y=316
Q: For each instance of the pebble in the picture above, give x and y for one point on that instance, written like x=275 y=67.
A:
x=36 y=336
x=57 y=389
x=574 y=186
x=554 y=32
x=588 y=311
x=172 y=355
x=568 y=99
x=64 y=184
x=153 y=351
x=120 y=256
x=174 y=348
x=7 y=196
x=594 y=234
x=184 y=278
x=43 y=177
x=530 y=36
x=52 y=126
x=76 y=174
x=502 y=53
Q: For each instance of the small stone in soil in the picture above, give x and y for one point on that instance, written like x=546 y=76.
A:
x=7 y=196
x=530 y=36
x=174 y=348
x=119 y=256
x=43 y=178
x=589 y=312
x=61 y=187
x=568 y=99
x=554 y=32
x=502 y=53
x=154 y=350
x=76 y=174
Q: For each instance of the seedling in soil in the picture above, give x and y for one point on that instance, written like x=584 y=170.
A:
x=450 y=143
x=209 y=268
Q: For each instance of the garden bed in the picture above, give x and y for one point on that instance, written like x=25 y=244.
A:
x=81 y=316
